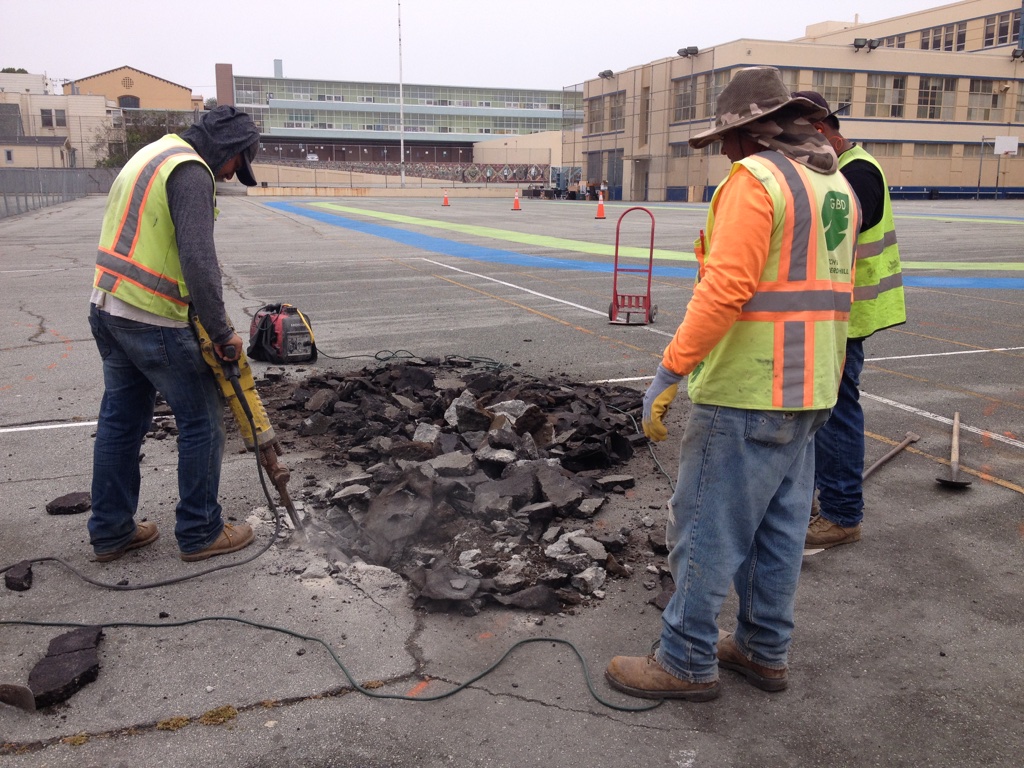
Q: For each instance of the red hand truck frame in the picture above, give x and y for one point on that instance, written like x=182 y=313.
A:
x=631 y=303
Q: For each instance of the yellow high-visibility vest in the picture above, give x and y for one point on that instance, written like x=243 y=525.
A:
x=878 y=300
x=137 y=260
x=786 y=349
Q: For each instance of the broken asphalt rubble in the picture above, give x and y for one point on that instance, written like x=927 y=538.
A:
x=475 y=485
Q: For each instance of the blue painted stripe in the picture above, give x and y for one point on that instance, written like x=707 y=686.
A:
x=513 y=258
x=466 y=250
x=987 y=283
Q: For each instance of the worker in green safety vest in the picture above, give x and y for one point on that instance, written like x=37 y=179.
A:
x=156 y=263
x=878 y=303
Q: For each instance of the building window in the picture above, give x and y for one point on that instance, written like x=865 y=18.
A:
x=933 y=150
x=8 y=155
x=1001 y=29
x=936 y=97
x=883 y=148
x=951 y=37
x=836 y=87
x=595 y=115
x=49 y=118
x=684 y=100
x=714 y=85
x=894 y=41
x=984 y=101
x=617 y=111
x=680 y=150
x=886 y=95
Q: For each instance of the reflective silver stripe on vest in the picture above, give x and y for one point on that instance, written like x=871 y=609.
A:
x=130 y=223
x=803 y=214
x=793 y=365
x=128 y=269
x=799 y=301
x=869 y=292
x=867 y=250
x=107 y=282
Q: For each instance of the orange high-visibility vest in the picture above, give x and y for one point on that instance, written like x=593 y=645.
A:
x=786 y=349
x=137 y=260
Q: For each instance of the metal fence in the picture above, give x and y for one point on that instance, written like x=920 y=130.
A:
x=29 y=189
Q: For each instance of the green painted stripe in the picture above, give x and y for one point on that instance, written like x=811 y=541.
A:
x=599 y=249
x=558 y=243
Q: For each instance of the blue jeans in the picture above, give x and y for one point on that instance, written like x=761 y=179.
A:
x=138 y=361
x=739 y=516
x=839 y=448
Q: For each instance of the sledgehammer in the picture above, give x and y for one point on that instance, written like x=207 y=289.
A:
x=910 y=438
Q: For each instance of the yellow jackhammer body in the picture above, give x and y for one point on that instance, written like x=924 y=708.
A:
x=239 y=389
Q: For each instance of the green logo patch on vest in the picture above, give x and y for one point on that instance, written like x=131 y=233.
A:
x=835 y=215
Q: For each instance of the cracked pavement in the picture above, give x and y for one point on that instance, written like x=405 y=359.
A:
x=907 y=645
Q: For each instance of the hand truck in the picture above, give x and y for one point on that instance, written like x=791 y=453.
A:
x=631 y=304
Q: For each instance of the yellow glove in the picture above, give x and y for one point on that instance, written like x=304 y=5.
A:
x=657 y=399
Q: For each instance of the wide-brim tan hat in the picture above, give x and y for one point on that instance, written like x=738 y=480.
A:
x=753 y=94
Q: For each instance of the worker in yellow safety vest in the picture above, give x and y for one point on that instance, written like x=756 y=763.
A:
x=878 y=303
x=762 y=342
x=155 y=264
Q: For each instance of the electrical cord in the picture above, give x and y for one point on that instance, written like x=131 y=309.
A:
x=348 y=675
x=382 y=356
x=179 y=579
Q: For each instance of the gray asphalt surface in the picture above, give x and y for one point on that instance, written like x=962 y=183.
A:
x=908 y=644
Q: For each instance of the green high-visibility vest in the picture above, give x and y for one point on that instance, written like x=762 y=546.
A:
x=137 y=260
x=878 y=300
x=786 y=349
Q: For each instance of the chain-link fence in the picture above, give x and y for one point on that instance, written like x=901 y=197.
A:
x=29 y=189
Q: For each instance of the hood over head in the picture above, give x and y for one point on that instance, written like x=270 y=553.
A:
x=220 y=134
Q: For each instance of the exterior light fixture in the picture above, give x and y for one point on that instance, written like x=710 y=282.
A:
x=606 y=74
x=1016 y=53
x=690 y=50
x=858 y=43
x=873 y=43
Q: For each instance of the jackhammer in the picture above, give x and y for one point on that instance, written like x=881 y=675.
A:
x=239 y=389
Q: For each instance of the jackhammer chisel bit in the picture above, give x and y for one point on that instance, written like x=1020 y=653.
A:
x=239 y=389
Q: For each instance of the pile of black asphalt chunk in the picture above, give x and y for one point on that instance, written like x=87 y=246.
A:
x=476 y=484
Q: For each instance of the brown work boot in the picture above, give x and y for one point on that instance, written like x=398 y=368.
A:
x=822 y=533
x=145 y=533
x=765 y=678
x=644 y=677
x=231 y=539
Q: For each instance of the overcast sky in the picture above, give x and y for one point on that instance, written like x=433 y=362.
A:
x=546 y=44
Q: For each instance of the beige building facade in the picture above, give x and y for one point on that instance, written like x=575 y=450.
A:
x=41 y=128
x=131 y=88
x=932 y=95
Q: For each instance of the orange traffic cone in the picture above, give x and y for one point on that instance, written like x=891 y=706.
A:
x=600 y=206
x=445 y=203
x=515 y=203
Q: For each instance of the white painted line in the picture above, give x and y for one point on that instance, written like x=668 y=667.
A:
x=944 y=420
x=19 y=271
x=622 y=381
x=541 y=295
x=886 y=401
x=945 y=354
x=37 y=427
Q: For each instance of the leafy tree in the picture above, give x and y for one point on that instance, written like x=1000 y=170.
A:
x=140 y=127
x=13 y=71
x=210 y=103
